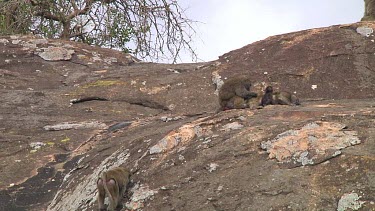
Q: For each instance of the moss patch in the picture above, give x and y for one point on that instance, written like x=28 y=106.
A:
x=65 y=140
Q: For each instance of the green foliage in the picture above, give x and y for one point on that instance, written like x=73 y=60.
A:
x=3 y=26
x=48 y=18
x=15 y=17
x=49 y=28
x=119 y=33
x=153 y=27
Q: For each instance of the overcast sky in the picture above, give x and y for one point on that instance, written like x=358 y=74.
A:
x=231 y=24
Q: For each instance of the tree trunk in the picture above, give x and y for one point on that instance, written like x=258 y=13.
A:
x=10 y=20
x=369 y=11
x=65 y=34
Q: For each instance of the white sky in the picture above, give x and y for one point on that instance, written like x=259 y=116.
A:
x=231 y=24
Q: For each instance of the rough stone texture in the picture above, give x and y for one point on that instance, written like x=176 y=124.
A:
x=84 y=192
x=174 y=138
x=365 y=31
x=56 y=54
x=300 y=61
x=331 y=69
x=80 y=125
x=369 y=11
x=313 y=143
x=349 y=201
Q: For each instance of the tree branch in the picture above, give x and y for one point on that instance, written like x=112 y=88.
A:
x=76 y=12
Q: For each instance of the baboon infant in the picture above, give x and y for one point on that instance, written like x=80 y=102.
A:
x=235 y=93
x=113 y=184
x=278 y=98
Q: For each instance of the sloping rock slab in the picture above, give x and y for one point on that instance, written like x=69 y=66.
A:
x=314 y=143
x=183 y=134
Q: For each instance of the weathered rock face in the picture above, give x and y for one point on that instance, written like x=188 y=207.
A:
x=312 y=144
x=66 y=119
x=333 y=63
x=369 y=10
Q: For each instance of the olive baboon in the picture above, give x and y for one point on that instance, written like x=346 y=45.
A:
x=235 y=92
x=278 y=98
x=113 y=184
x=267 y=98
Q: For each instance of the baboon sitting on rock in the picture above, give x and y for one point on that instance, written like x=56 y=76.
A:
x=278 y=98
x=235 y=93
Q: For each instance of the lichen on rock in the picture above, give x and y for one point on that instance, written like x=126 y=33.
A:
x=349 y=201
x=56 y=54
x=312 y=144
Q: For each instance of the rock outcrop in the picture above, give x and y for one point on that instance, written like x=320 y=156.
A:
x=69 y=111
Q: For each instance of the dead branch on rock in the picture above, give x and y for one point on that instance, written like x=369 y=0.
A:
x=85 y=99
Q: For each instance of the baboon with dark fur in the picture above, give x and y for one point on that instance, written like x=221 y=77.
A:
x=278 y=98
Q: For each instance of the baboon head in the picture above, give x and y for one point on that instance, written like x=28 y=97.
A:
x=247 y=85
x=268 y=89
